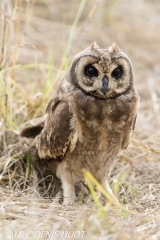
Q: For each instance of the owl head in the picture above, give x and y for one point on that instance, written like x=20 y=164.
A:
x=102 y=73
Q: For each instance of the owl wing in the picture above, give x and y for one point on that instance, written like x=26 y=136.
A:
x=55 y=138
x=128 y=134
x=36 y=127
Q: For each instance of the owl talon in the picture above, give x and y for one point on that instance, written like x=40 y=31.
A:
x=68 y=202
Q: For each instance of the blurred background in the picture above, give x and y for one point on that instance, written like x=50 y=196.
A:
x=40 y=38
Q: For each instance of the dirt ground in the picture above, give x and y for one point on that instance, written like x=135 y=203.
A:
x=38 y=41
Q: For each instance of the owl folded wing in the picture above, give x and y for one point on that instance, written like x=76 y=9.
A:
x=55 y=138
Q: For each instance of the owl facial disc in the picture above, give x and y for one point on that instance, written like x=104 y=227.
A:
x=102 y=73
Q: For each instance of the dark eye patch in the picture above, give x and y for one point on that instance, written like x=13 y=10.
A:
x=117 y=72
x=91 y=71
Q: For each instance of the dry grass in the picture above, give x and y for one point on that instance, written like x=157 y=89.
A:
x=38 y=41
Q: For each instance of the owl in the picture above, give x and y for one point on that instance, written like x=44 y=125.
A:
x=90 y=119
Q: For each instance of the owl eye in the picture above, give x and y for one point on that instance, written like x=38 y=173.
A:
x=91 y=71
x=117 y=72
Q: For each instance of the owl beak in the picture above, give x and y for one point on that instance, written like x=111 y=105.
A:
x=104 y=85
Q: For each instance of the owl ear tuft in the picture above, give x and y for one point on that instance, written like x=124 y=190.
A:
x=114 y=48
x=93 y=46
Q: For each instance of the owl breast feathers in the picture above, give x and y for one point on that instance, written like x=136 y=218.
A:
x=90 y=119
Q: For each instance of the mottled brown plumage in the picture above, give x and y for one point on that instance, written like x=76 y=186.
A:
x=91 y=118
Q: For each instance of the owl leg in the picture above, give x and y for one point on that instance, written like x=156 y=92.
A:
x=68 y=189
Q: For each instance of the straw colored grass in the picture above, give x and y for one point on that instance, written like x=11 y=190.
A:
x=38 y=41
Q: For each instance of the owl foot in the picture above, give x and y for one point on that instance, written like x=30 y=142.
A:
x=68 y=201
